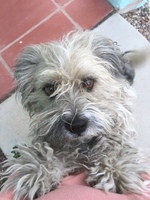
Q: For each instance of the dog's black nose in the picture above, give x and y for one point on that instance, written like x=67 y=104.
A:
x=76 y=125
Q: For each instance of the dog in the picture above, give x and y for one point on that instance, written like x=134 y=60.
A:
x=78 y=92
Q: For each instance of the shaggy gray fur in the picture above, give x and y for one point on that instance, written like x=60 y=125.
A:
x=78 y=92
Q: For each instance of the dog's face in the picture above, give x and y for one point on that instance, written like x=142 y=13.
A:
x=76 y=88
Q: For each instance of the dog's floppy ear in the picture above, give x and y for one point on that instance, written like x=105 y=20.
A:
x=25 y=70
x=108 y=50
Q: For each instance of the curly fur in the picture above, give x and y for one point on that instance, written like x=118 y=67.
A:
x=105 y=147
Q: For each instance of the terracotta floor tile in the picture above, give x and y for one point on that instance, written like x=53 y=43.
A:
x=62 y=2
x=88 y=13
x=6 y=82
x=52 y=29
x=18 y=16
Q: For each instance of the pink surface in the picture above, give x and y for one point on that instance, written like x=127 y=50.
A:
x=52 y=29
x=90 y=13
x=17 y=17
x=75 y=188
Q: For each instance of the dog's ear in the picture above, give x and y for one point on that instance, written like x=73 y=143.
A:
x=108 y=51
x=25 y=69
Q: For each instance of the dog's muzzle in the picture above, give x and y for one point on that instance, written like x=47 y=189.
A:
x=76 y=125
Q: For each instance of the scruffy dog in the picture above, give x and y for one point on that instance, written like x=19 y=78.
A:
x=78 y=93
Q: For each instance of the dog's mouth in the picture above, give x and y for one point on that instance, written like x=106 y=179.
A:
x=83 y=137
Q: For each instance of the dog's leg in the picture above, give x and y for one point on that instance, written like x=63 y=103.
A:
x=118 y=168
x=36 y=172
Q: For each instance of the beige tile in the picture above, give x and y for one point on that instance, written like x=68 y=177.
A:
x=14 y=124
x=129 y=38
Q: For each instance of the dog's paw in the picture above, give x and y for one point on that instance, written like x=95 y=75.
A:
x=125 y=174
x=118 y=181
x=101 y=179
x=36 y=172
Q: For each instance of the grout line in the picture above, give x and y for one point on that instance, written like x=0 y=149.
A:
x=71 y=19
x=65 y=4
x=29 y=31
x=66 y=14
x=6 y=66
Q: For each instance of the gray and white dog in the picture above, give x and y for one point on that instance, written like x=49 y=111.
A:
x=78 y=93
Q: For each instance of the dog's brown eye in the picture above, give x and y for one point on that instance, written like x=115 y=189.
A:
x=88 y=84
x=49 y=89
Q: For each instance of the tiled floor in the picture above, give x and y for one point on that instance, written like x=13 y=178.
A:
x=26 y=22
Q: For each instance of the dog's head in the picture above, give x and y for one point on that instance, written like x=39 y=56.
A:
x=78 y=88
